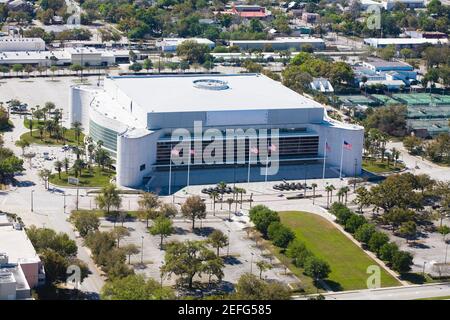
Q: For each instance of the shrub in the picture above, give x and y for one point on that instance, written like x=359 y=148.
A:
x=354 y=222
x=317 y=268
x=387 y=251
x=298 y=252
x=377 y=240
x=262 y=217
x=280 y=235
x=402 y=261
x=341 y=212
x=365 y=232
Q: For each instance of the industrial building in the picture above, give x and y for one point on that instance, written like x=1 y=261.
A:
x=282 y=43
x=400 y=43
x=21 y=268
x=136 y=117
x=171 y=44
x=84 y=55
x=8 y=44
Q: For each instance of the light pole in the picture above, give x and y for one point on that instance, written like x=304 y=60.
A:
x=423 y=270
x=228 y=247
x=251 y=263
x=446 y=249
x=64 y=207
x=162 y=273
x=142 y=250
x=32 y=191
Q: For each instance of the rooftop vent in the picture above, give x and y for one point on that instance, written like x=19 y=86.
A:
x=211 y=84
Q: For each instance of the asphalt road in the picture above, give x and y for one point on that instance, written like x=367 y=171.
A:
x=397 y=293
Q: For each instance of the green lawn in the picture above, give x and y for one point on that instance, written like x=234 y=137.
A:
x=97 y=178
x=436 y=298
x=102 y=213
x=69 y=138
x=379 y=167
x=348 y=262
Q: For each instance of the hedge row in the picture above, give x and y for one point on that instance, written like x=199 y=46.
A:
x=375 y=241
x=268 y=223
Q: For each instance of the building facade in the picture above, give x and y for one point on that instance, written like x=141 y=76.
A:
x=139 y=118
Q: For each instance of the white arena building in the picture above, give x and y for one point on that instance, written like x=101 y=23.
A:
x=135 y=117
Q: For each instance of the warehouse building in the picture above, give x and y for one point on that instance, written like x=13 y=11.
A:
x=284 y=43
x=8 y=44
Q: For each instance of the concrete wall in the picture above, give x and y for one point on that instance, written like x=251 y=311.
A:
x=335 y=135
x=131 y=154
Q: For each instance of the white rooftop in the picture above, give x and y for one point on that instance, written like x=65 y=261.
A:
x=16 y=245
x=387 y=41
x=211 y=92
x=283 y=40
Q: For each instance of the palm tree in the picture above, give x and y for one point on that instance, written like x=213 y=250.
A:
x=66 y=164
x=58 y=166
x=213 y=195
x=242 y=191
x=221 y=186
x=109 y=198
x=340 y=195
x=329 y=189
x=395 y=155
x=230 y=202
x=345 y=190
x=77 y=129
x=314 y=186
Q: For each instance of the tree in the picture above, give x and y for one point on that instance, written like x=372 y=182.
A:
x=55 y=266
x=119 y=233
x=189 y=259
x=263 y=266
x=214 y=195
x=135 y=287
x=262 y=217
x=77 y=129
x=217 y=239
x=317 y=268
x=362 y=199
x=408 y=230
x=135 y=67
x=108 y=198
x=387 y=251
x=44 y=238
x=250 y=287
x=130 y=249
x=168 y=210
x=85 y=222
x=147 y=64
x=354 y=222
x=365 y=232
x=280 y=235
x=298 y=252
x=377 y=240
x=192 y=52
x=22 y=144
x=398 y=216
x=45 y=174
x=402 y=261
x=58 y=166
x=329 y=189
x=148 y=205
x=193 y=208
x=163 y=227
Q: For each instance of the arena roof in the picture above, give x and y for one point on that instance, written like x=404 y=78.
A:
x=212 y=92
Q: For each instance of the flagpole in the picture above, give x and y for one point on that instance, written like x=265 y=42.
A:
x=189 y=169
x=324 y=159
x=249 y=155
x=342 y=158
x=170 y=173
x=267 y=164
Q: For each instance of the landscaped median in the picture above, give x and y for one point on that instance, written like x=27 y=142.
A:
x=50 y=135
x=95 y=177
x=378 y=166
x=319 y=254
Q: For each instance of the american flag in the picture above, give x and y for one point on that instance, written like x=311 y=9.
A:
x=347 y=145
x=254 y=150
x=272 y=148
x=327 y=146
x=192 y=152
x=175 y=152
